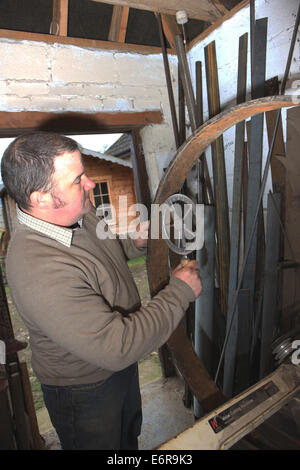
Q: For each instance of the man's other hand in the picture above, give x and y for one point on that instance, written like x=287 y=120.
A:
x=190 y=274
x=141 y=236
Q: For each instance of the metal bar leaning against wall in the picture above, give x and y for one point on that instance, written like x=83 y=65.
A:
x=158 y=269
x=230 y=352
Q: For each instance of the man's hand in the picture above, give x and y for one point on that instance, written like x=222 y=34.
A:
x=190 y=274
x=141 y=235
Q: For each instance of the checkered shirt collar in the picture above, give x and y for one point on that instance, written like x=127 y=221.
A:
x=62 y=235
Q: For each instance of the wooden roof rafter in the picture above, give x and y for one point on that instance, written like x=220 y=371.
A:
x=205 y=10
x=118 y=27
x=59 y=24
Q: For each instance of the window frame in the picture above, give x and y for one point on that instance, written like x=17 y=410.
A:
x=108 y=181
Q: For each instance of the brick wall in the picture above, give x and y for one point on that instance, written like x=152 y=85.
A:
x=38 y=76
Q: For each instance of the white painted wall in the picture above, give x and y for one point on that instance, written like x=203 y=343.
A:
x=38 y=76
x=281 y=16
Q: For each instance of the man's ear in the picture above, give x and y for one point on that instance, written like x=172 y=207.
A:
x=40 y=200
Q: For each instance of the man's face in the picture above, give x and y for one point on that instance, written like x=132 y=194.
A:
x=70 y=194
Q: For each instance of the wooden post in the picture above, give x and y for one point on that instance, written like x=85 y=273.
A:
x=219 y=173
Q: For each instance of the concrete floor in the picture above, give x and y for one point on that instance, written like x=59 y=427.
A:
x=164 y=415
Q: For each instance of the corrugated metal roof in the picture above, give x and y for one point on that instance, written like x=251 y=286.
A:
x=104 y=156
x=121 y=148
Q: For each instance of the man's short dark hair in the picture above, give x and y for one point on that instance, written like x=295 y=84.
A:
x=28 y=164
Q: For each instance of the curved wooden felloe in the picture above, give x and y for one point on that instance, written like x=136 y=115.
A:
x=201 y=385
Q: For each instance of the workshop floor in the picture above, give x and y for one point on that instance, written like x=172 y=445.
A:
x=164 y=415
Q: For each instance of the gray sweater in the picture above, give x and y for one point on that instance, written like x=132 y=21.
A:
x=82 y=307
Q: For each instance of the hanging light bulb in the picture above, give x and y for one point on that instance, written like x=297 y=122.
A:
x=182 y=19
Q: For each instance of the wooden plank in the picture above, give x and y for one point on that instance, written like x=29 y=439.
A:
x=171 y=29
x=18 y=406
x=37 y=443
x=7 y=434
x=80 y=42
x=140 y=171
x=118 y=25
x=219 y=175
x=12 y=124
x=59 y=24
x=6 y=327
x=205 y=10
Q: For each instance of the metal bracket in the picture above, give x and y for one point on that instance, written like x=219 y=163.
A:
x=175 y=203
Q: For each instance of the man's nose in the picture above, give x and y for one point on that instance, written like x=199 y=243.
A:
x=88 y=184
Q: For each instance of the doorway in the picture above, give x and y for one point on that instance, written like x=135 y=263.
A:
x=150 y=366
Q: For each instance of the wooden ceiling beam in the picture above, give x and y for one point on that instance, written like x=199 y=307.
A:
x=118 y=25
x=15 y=123
x=205 y=10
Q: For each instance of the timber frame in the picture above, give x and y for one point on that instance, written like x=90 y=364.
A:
x=13 y=124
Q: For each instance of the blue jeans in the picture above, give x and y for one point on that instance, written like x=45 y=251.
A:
x=100 y=416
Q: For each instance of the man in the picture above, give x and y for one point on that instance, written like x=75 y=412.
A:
x=78 y=299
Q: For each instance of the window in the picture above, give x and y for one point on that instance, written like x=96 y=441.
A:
x=102 y=198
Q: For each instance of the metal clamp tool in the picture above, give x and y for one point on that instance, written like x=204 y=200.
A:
x=175 y=206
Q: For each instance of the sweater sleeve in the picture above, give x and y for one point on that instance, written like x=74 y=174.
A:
x=129 y=248
x=81 y=322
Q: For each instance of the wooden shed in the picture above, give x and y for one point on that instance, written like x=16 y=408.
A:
x=115 y=186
